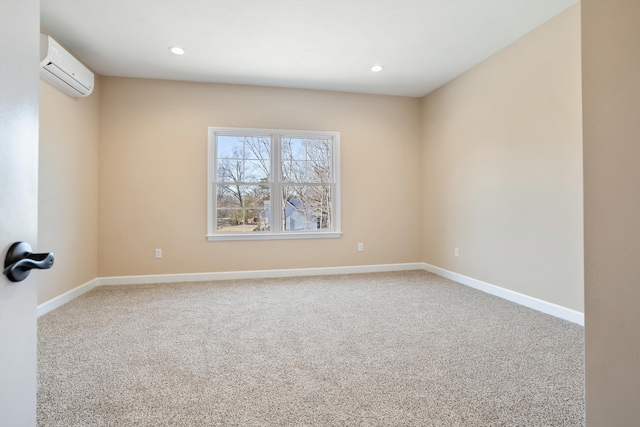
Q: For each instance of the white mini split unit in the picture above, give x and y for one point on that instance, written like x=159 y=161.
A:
x=63 y=70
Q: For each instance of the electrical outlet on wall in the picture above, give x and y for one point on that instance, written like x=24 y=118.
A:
x=360 y=247
x=456 y=252
x=158 y=253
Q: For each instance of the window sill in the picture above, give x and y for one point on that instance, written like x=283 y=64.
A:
x=273 y=236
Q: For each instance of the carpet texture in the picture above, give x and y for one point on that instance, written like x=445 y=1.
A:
x=382 y=349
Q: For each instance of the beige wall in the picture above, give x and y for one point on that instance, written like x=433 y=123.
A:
x=502 y=171
x=611 y=94
x=68 y=196
x=153 y=176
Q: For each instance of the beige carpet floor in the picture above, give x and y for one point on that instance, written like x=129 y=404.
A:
x=383 y=349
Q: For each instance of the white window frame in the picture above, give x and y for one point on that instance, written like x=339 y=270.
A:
x=276 y=185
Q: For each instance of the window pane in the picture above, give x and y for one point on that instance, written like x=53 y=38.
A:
x=241 y=221
x=254 y=196
x=294 y=171
x=233 y=221
x=243 y=208
x=306 y=160
x=318 y=150
x=319 y=171
x=319 y=160
x=227 y=219
x=243 y=159
x=257 y=147
x=319 y=199
x=306 y=207
x=255 y=171
x=229 y=147
x=227 y=197
x=230 y=170
x=293 y=149
x=242 y=196
x=252 y=217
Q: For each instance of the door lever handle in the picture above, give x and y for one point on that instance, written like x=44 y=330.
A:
x=20 y=261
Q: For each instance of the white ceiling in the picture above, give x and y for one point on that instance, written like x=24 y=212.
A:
x=314 y=44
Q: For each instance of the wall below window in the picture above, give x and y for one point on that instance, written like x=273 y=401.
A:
x=502 y=168
x=153 y=176
x=68 y=189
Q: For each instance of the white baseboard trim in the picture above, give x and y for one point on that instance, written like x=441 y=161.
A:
x=257 y=274
x=528 y=301
x=74 y=293
x=522 y=299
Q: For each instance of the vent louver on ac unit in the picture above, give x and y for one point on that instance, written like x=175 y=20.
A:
x=63 y=70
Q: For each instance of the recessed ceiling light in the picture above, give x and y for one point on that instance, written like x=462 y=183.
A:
x=176 y=50
x=377 y=68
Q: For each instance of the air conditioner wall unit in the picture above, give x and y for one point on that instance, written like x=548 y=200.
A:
x=63 y=70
